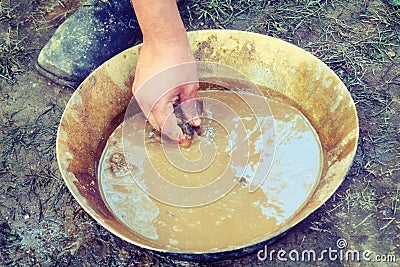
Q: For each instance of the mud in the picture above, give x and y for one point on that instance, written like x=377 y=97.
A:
x=238 y=217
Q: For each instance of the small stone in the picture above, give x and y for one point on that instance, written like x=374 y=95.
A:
x=185 y=143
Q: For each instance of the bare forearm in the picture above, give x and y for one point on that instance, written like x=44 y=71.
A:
x=159 y=21
x=165 y=46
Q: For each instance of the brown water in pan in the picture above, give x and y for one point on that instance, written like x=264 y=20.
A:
x=238 y=218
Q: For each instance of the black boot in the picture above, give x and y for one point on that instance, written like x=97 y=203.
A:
x=94 y=33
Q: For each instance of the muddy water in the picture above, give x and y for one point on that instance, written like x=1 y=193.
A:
x=238 y=217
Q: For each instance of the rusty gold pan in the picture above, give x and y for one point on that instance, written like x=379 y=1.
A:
x=98 y=105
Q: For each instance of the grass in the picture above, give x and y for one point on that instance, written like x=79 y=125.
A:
x=48 y=15
x=373 y=41
x=6 y=13
x=9 y=240
x=216 y=13
x=349 y=200
x=36 y=134
x=13 y=54
x=26 y=151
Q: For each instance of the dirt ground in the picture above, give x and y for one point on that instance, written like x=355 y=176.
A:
x=41 y=224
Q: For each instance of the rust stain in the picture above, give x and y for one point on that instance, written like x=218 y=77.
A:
x=128 y=83
x=91 y=194
x=205 y=49
x=88 y=126
x=247 y=50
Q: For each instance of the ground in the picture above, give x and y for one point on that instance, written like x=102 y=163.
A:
x=41 y=224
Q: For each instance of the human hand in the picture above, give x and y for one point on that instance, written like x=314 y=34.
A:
x=166 y=73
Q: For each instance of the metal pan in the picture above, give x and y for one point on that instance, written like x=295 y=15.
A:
x=98 y=106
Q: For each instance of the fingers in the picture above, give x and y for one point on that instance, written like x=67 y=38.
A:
x=164 y=117
x=189 y=105
x=153 y=121
x=171 y=129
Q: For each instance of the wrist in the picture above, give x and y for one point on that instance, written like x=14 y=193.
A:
x=177 y=40
x=160 y=21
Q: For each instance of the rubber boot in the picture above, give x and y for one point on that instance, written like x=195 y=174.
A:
x=94 y=33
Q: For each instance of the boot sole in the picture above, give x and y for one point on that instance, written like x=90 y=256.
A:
x=54 y=78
